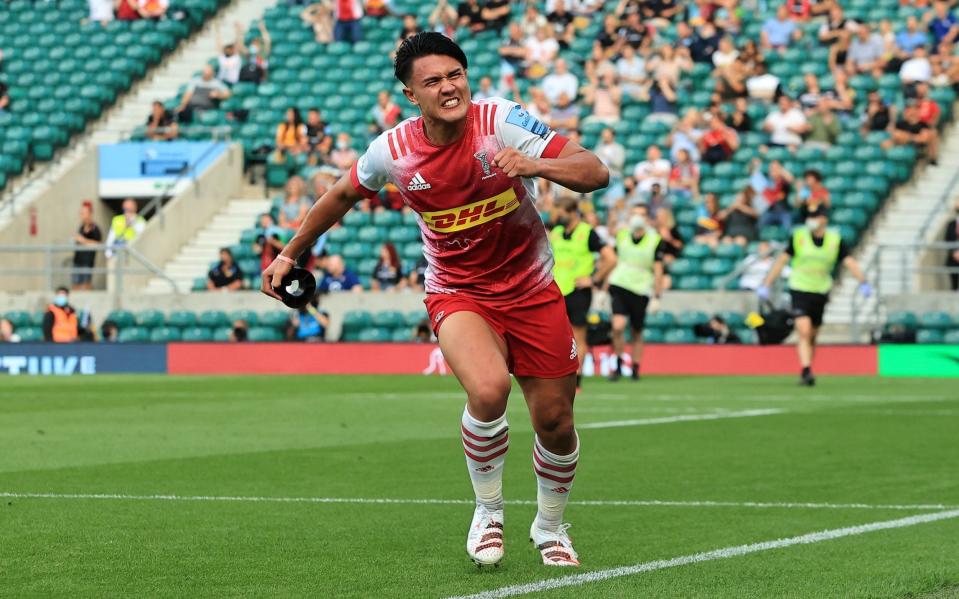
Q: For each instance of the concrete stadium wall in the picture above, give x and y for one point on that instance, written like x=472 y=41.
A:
x=940 y=301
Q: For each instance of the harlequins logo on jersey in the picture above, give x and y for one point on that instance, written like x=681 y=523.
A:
x=487 y=171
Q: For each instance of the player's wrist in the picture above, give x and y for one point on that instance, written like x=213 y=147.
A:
x=286 y=259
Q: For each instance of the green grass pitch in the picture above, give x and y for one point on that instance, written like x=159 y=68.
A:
x=217 y=443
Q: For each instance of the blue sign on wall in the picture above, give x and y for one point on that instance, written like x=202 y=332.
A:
x=142 y=169
x=64 y=359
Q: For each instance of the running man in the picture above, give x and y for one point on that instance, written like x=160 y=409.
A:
x=466 y=168
x=575 y=244
x=638 y=274
x=814 y=252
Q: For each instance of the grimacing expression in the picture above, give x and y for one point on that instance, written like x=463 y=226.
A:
x=438 y=85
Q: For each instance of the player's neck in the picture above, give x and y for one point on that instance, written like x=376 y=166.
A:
x=441 y=133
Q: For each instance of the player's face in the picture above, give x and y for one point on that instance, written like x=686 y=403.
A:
x=438 y=85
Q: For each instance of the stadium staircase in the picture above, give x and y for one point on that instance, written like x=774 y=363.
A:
x=132 y=101
x=189 y=268
x=899 y=222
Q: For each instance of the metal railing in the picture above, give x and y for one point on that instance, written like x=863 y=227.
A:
x=774 y=249
x=58 y=265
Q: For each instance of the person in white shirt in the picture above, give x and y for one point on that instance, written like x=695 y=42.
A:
x=559 y=82
x=543 y=49
x=652 y=171
x=917 y=69
x=101 y=11
x=786 y=124
x=631 y=69
x=230 y=60
x=726 y=54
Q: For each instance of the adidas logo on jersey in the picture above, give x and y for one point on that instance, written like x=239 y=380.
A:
x=418 y=183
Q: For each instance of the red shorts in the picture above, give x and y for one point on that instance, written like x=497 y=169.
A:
x=539 y=340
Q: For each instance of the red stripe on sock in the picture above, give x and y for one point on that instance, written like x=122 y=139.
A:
x=488 y=447
x=478 y=438
x=542 y=462
x=551 y=477
x=476 y=458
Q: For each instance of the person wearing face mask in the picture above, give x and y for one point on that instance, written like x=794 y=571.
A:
x=575 y=271
x=125 y=227
x=60 y=323
x=813 y=254
x=638 y=274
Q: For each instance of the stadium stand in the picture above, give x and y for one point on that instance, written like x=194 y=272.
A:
x=61 y=70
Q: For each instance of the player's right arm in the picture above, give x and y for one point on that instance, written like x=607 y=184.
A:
x=365 y=178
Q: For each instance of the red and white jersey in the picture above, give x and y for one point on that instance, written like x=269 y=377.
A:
x=482 y=235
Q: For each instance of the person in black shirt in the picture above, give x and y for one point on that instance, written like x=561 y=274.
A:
x=740 y=120
x=633 y=32
x=388 y=273
x=226 y=275
x=878 y=116
x=416 y=276
x=562 y=22
x=496 y=14
x=952 y=254
x=160 y=124
x=909 y=130
x=470 y=15
x=410 y=27
x=89 y=234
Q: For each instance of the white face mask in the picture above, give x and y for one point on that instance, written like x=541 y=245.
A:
x=637 y=223
x=342 y=145
x=812 y=224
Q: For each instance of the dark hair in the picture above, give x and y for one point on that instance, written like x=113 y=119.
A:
x=297 y=119
x=814 y=174
x=228 y=253
x=426 y=43
x=63 y=289
x=313 y=109
x=568 y=204
x=393 y=254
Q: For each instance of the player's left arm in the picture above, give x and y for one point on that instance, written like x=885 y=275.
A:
x=853 y=265
x=607 y=261
x=659 y=274
x=575 y=167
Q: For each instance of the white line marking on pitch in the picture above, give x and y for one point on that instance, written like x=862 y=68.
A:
x=414 y=501
x=726 y=552
x=683 y=418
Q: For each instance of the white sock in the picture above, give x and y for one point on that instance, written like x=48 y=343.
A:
x=485 y=445
x=554 y=478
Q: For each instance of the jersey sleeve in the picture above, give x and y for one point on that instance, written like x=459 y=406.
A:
x=595 y=241
x=516 y=128
x=791 y=248
x=660 y=252
x=369 y=173
x=843 y=250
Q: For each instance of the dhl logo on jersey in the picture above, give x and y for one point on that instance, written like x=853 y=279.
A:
x=470 y=215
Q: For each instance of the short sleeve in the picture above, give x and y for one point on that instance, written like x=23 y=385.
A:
x=517 y=128
x=369 y=173
x=843 y=250
x=791 y=248
x=660 y=252
x=595 y=242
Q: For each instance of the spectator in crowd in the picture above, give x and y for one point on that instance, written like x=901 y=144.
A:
x=779 y=32
x=608 y=44
x=240 y=332
x=756 y=266
x=916 y=69
x=952 y=254
x=705 y=43
x=8 y=332
x=631 y=69
x=336 y=277
x=613 y=155
x=717 y=143
x=386 y=114
x=878 y=116
x=496 y=14
x=632 y=32
x=866 y=52
x=560 y=81
x=153 y=9
x=125 y=227
x=83 y=260
x=443 y=19
x=541 y=52
x=717 y=332
x=654 y=170
x=666 y=69
x=347 y=21
x=4 y=98
x=226 y=275
x=564 y=117
x=684 y=176
x=823 y=126
x=101 y=11
x=929 y=111
x=203 y=93
x=725 y=54
x=739 y=120
x=786 y=124
x=109 y=332
x=309 y=323
x=127 y=10
x=160 y=124
x=269 y=240
x=812 y=193
x=942 y=23
x=909 y=130
x=318 y=135
x=230 y=60
x=485 y=89
x=531 y=20
x=763 y=85
x=539 y=107
x=844 y=101
x=740 y=219
x=388 y=275
x=910 y=38
x=422 y=332
x=514 y=52
x=776 y=193
x=295 y=203
x=672 y=239
x=319 y=16
x=709 y=226
x=836 y=34
x=410 y=27
x=343 y=155
x=257 y=56
x=657 y=200
x=418 y=272
x=60 y=321
x=562 y=22
x=606 y=99
x=291 y=134
x=470 y=15
x=814 y=93
x=685 y=136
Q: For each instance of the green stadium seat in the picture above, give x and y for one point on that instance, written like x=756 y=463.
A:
x=734 y=319
x=653 y=335
x=951 y=337
x=660 y=320
x=30 y=334
x=679 y=336
x=149 y=319
x=213 y=319
x=123 y=318
x=357 y=320
x=264 y=334
x=19 y=318
x=690 y=318
x=412 y=319
x=930 y=336
x=389 y=319
x=133 y=334
x=165 y=334
x=935 y=320
x=197 y=334
x=249 y=316
x=684 y=266
x=375 y=334
x=402 y=335
x=274 y=319
x=903 y=319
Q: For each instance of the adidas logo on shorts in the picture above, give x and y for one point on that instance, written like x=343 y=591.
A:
x=418 y=183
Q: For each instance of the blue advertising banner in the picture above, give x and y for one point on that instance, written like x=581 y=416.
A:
x=141 y=169
x=65 y=359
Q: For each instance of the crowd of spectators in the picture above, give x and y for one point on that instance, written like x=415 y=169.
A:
x=104 y=11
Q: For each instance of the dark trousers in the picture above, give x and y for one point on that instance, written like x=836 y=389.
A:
x=348 y=31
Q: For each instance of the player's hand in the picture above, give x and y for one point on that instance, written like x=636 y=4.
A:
x=865 y=289
x=515 y=164
x=583 y=283
x=654 y=305
x=273 y=276
x=763 y=293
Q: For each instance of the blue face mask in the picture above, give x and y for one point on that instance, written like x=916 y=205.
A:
x=60 y=300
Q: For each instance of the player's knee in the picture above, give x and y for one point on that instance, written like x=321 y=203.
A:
x=555 y=423
x=490 y=394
